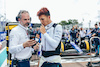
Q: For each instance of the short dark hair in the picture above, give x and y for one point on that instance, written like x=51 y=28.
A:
x=96 y=24
x=43 y=11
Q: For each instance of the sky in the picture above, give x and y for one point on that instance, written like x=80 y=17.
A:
x=59 y=9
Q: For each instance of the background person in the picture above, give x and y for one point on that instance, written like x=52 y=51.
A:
x=96 y=32
x=82 y=34
x=73 y=34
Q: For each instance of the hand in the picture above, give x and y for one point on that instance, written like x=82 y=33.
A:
x=0 y=46
x=93 y=35
x=29 y=43
x=36 y=46
x=42 y=29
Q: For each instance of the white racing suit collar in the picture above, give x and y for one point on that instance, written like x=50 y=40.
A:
x=25 y=28
x=49 y=25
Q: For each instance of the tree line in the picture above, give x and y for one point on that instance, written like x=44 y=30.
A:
x=70 y=21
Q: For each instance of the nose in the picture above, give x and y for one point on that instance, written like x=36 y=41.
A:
x=42 y=22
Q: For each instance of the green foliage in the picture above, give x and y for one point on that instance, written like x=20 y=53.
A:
x=70 y=21
x=63 y=23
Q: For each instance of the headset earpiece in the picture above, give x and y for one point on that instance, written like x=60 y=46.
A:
x=30 y=18
x=17 y=18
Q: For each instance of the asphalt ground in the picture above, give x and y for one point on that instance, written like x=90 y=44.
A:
x=76 y=62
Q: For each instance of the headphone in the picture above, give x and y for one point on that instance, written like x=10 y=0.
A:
x=17 y=18
x=21 y=11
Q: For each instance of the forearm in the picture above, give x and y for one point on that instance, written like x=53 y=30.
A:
x=15 y=48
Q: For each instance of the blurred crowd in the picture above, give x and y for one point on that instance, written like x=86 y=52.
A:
x=77 y=32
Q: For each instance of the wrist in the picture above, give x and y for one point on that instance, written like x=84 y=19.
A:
x=44 y=32
x=24 y=45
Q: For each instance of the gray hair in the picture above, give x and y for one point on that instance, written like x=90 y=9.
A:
x=21 y=12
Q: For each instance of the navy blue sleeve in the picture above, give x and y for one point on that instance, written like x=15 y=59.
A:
x=93 y=31
x=70 y=33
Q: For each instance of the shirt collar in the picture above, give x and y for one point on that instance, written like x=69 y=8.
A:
x=49 y=25
x=23 y=27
